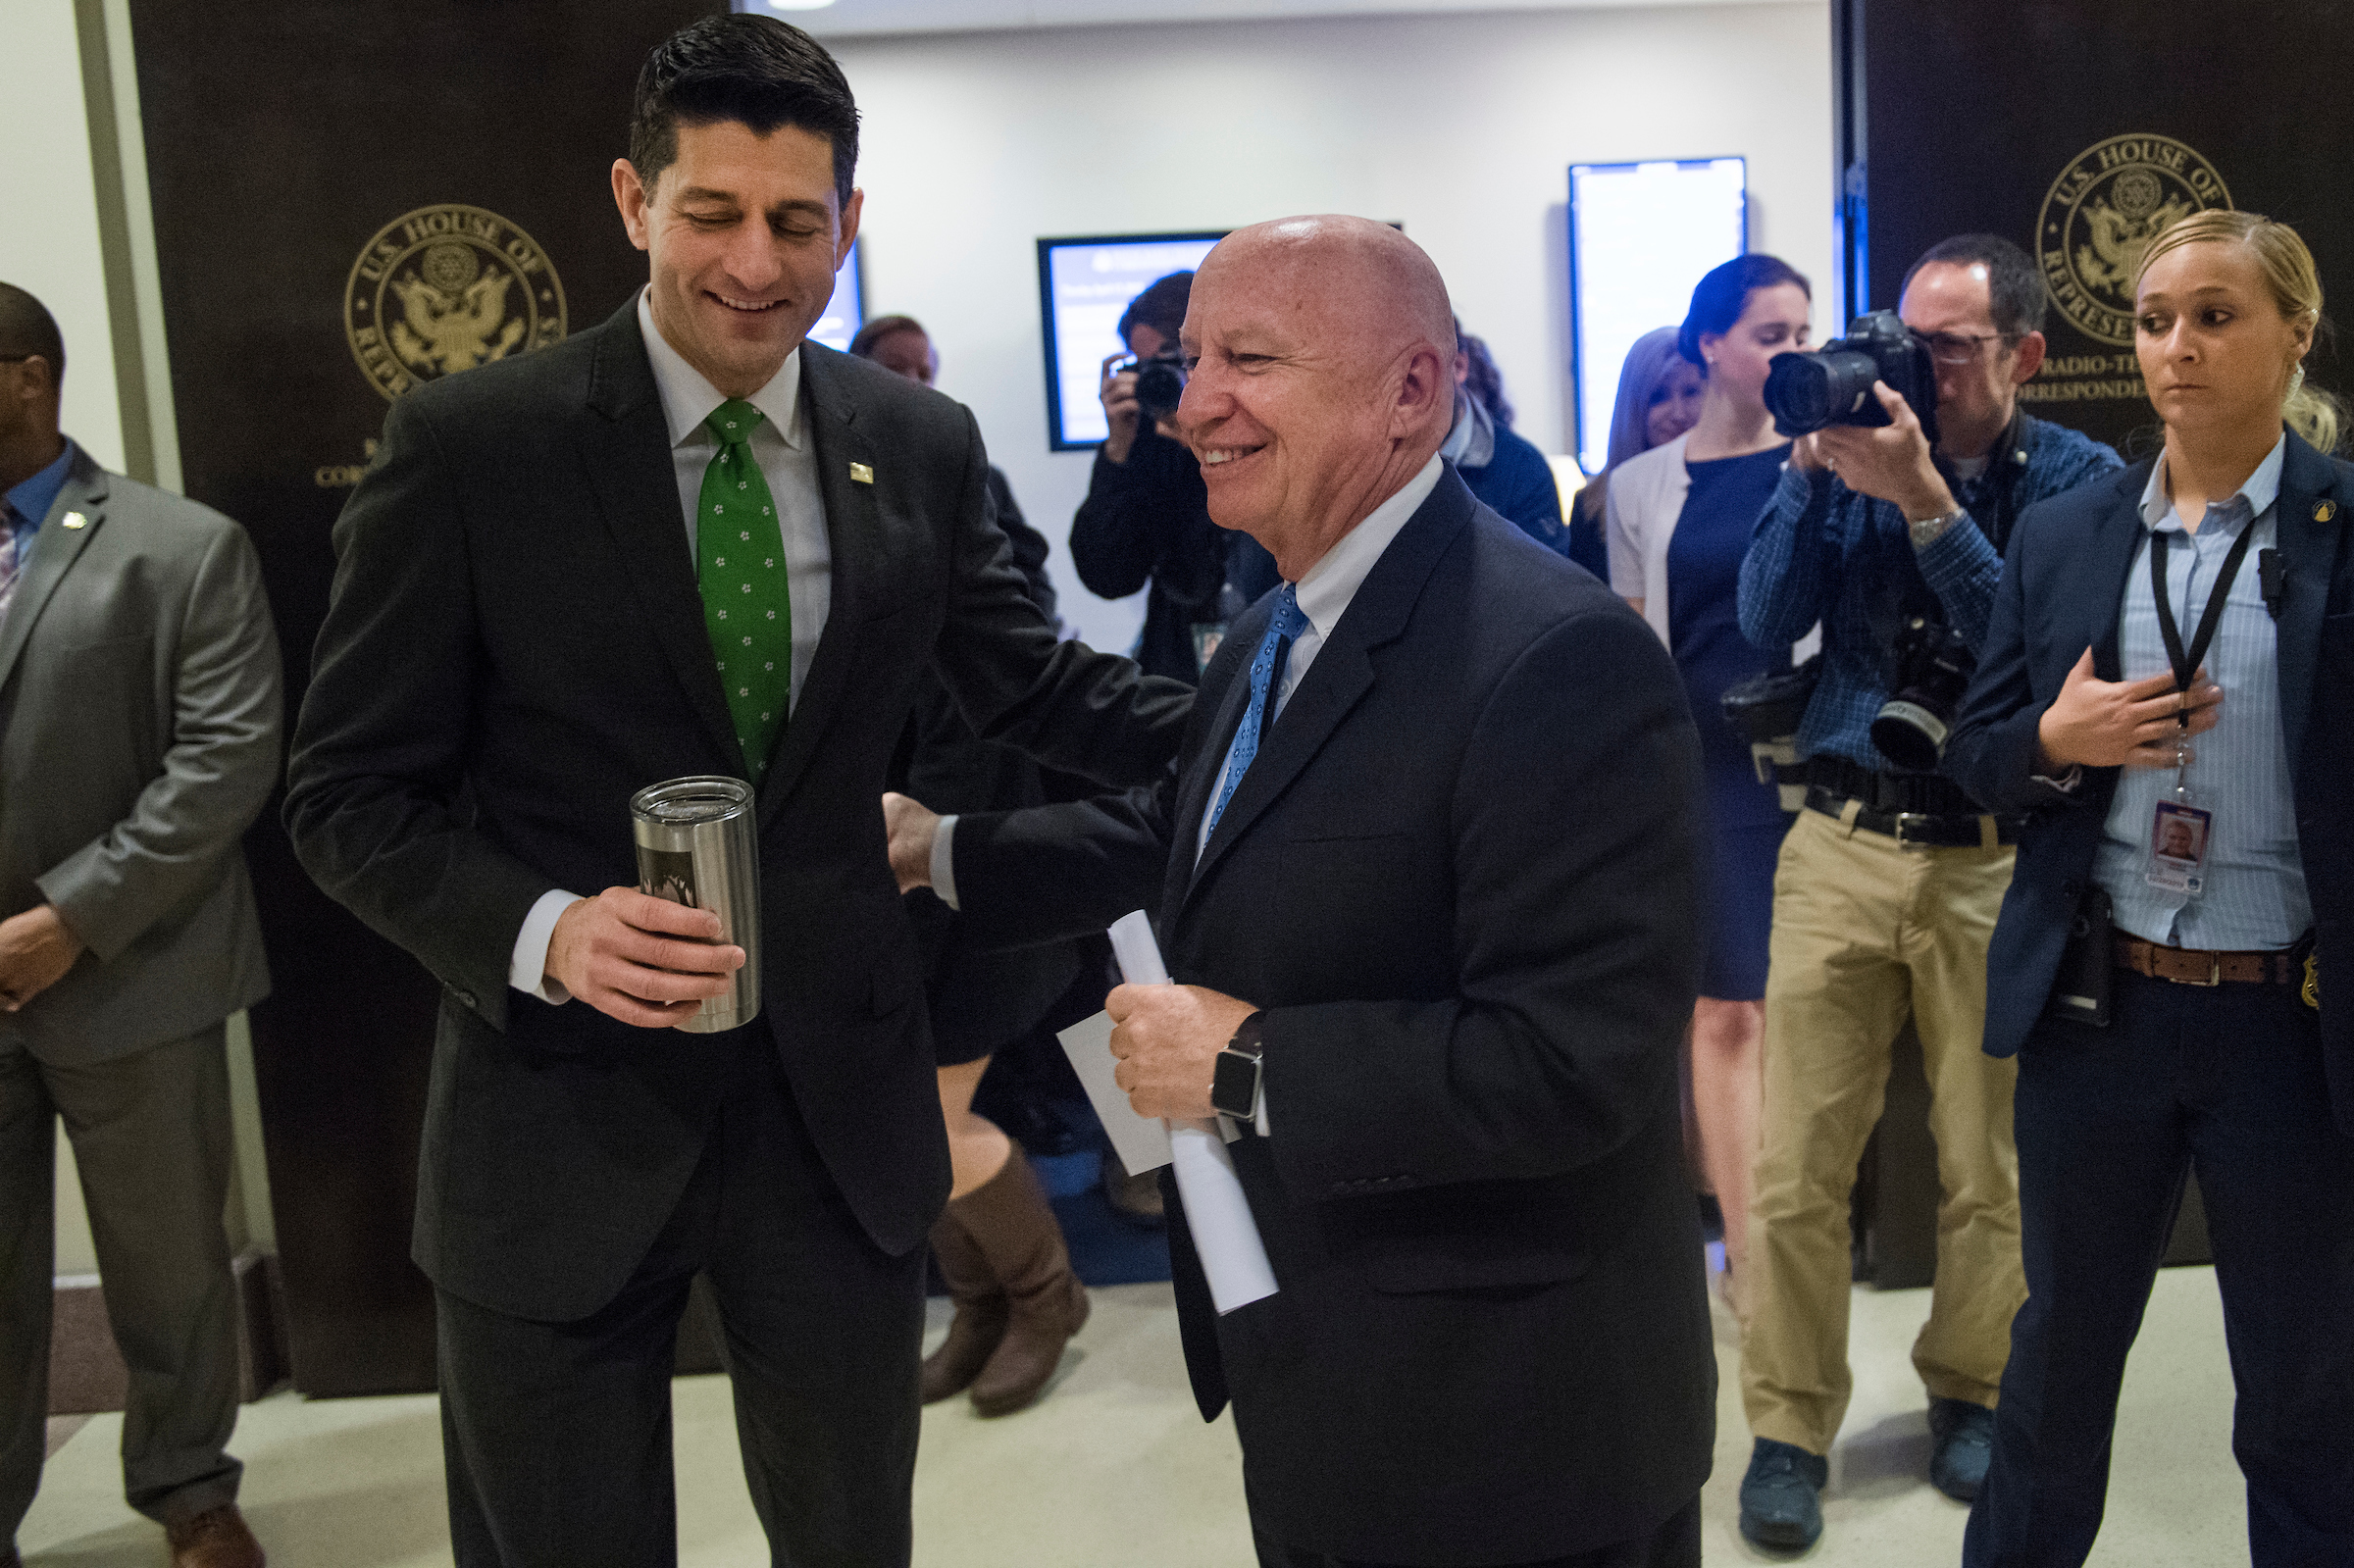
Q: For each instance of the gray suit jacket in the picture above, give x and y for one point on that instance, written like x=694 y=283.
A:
x=139 y=709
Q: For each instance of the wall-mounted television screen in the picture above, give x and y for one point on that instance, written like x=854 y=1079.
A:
x=845 y=312
x=1084 y=288
x=1641 y=237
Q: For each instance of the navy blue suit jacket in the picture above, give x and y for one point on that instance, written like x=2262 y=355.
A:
x=2062 y=588
x=1462 y=880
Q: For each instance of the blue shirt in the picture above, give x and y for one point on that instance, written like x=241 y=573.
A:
x=1809 y=560
x=2254 y=894
x=30 y=501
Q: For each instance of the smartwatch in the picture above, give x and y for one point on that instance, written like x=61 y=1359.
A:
x=1234 y=1087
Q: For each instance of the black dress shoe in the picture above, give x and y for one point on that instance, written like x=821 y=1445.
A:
x=1964 y=1434
x=1780 y=1508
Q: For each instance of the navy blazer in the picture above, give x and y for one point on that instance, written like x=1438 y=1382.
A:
x=1462 y=878
x=2063 y=589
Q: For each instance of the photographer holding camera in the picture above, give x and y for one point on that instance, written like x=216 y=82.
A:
x=1146 y=520
x=1888 y=528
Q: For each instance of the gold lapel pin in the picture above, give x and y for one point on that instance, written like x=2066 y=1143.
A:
x=2323 y=511
x=860 y=474
x=74 y=520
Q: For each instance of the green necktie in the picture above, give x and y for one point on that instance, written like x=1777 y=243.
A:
x=740 y=562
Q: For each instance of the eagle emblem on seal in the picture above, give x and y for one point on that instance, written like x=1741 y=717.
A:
x=442 y=290
x=2100 y=215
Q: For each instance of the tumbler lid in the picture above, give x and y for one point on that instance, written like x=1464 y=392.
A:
x=697 y=798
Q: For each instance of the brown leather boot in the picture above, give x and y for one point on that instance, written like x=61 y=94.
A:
x=1045 y=1304
x=215 y=1539
x=980 y=1321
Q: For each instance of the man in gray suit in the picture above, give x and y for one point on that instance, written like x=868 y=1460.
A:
x=139 y=698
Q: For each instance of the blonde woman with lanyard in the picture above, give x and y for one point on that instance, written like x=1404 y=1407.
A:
x=2168 y=687
x=1679 y=522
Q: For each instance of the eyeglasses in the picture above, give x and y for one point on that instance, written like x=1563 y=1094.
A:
x=1960 y=348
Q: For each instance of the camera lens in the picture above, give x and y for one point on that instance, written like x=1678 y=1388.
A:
x=1910 y=729
x=1808 y=393
x=1159 y=384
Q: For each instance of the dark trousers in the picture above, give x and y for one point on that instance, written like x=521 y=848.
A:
x=151 y=1139
x=557 y=1435
x=1674 y=1545
x=2228 y=1081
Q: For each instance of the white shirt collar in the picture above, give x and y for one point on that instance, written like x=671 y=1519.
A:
x=2262 y=490
x=687 y=399
x=1325 y=591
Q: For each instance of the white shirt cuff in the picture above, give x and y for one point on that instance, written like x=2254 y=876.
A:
x=526 y=971
x=944 y=861
x=1258 y=1107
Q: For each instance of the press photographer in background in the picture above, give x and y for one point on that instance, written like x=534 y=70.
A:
x=2164 y=695
x=1145 y=521
x=1680 y=516
x=1504 y=470
x=1889 y=534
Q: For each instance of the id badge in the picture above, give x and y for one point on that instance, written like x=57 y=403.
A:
x=2179 y=835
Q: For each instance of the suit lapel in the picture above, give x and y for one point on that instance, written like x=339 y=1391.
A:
x=55 y=550
x=1344 y=669
x=854 y=537
x=2309 y=550
x=627 y=453
x=1192 y=797
x=2107 y=561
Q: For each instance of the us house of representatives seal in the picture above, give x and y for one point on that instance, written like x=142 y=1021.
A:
x=445 y=288
x=2102 y=213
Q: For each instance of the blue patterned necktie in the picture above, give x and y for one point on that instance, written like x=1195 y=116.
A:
x=1266 y=670
x=16 y=544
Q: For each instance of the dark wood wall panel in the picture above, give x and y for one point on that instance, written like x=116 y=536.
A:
x=282 y=139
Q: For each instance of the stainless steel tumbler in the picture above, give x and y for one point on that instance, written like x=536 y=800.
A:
x=696 y=847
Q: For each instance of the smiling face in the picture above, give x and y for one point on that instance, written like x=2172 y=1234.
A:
x=1773 y=321
x=744 y=233
x=1674 y=406
x=1323 y=378
x=2215 y=349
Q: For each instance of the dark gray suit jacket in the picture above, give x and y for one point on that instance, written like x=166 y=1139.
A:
x=515 y=644
x=140 y=697
x=1461 y=877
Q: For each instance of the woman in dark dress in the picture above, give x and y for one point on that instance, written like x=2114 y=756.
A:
x=1680 y=521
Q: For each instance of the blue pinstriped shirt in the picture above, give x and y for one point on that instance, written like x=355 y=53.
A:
x=2254 y=882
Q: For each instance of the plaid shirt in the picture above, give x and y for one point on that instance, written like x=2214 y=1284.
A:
x=1806 y=559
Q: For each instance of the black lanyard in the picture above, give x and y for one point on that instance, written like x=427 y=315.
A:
x=2186 y=661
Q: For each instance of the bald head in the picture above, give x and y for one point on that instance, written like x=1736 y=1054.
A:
x=1323 y=380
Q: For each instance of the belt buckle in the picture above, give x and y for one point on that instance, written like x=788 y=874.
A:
x=2215 y=972
x=1904 y=820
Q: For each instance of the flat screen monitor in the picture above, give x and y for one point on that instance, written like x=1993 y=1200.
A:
x=845 y=312
x=1641 y=237
x=1084 y=288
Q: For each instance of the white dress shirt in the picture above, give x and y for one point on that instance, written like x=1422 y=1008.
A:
x=787 y=461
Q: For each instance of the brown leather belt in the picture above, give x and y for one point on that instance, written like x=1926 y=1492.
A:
x=2187 y=966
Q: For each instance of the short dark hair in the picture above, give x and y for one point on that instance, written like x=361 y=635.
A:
x=1723 y=294
x=27 y=327
x=755 y=70
x=1161 y=307
x=2014 y=287
x=1485 y=382
x=882 y=327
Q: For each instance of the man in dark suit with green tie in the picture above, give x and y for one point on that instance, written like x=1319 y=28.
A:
x=686 y=542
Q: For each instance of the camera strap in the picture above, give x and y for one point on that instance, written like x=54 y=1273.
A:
x=2186 y=660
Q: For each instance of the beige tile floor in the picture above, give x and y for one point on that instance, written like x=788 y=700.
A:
x=1117 y=1468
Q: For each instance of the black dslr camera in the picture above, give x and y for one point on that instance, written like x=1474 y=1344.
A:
x=1933 y=666
x=1806 y=392
x=1159 y=384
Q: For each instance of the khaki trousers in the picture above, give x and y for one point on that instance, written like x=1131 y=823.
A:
x=1864 y=931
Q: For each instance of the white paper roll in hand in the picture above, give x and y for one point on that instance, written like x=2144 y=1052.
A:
x=1225 y=1235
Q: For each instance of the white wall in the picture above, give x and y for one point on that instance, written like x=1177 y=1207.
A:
x=1460 y=126
x=49 y=242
